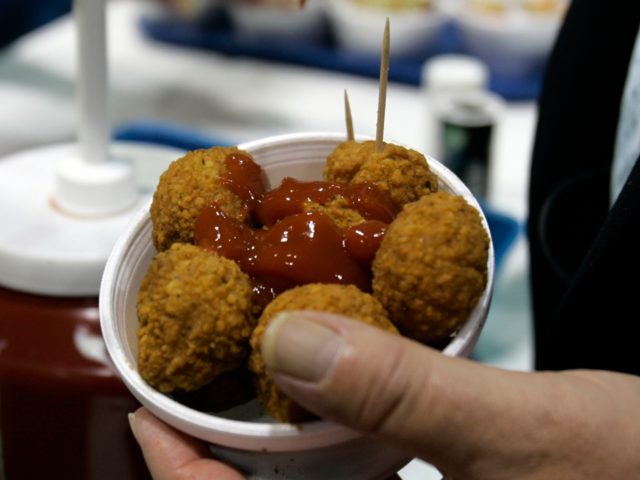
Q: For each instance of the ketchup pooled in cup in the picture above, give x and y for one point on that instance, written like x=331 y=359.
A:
x=282 y=244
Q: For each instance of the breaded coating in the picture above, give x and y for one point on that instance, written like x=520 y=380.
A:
x=193 y=308
x=338 y=210
x=346 y=159
x=189 y=184
x=403 y=172
x=431 y=267
x=345 y=300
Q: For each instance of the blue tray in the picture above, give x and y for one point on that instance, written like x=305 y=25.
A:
x=504 y=229
x=217 y=34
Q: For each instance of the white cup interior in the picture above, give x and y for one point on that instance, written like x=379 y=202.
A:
x=301 y=156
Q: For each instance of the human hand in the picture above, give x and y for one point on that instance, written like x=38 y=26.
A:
x=471 y=421
x=171 y=455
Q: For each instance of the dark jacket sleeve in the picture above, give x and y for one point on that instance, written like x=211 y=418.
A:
x=579 y=248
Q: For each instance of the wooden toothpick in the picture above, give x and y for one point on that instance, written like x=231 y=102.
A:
x=382 y=92
x=347 y=117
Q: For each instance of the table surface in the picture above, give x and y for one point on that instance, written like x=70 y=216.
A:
x=239 y=99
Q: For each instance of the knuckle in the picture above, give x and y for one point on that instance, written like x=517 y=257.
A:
x=388 y=395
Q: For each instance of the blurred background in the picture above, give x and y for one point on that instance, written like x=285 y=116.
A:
x=463 y=82
x=19 y=18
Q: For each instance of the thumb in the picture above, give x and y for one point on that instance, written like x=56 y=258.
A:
x=441 y=409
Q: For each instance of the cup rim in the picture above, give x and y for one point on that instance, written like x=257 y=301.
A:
x=235 y=433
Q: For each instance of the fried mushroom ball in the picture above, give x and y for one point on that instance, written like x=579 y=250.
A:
x=345 y=300
x=431 y=267
x=193 y=308
x=346 y=159
x=190 y=183
x=339 y=210
x=403 y=172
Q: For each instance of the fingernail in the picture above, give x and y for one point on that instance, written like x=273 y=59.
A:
x=132 y=422
x=297 y=346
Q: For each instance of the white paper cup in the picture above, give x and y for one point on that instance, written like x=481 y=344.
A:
x=358 y=28
x=514 y=44
x=264 y=22
x=257 y=445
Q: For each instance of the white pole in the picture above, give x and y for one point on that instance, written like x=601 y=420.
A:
x=93 y=118
x=91 y=183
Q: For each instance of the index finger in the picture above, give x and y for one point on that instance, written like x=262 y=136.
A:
x=170 y=454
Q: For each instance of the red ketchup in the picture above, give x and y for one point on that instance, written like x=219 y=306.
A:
x=290 y=197
x=281 y=245
x=245 y=178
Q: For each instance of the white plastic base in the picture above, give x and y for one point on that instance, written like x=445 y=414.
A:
x=44 y=250
x=94 y=189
